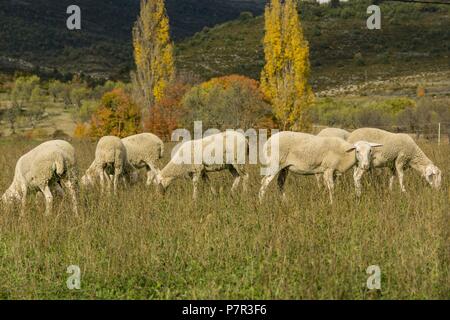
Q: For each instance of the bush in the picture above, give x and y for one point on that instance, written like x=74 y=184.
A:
x=225 y=103
x=117 y=115
x=166 y=115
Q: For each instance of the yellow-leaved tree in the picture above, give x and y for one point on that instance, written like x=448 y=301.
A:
x=284 y=79
x=153 y=53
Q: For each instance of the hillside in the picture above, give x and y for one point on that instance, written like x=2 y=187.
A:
x=413 y=38
x=34 y=33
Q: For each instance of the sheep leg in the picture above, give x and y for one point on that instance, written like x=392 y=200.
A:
x=400 y=174
x=245 y=179
x=23 y=200
x=329 y=179
x=116 y=181
x=48 y=199
x=58 y=190
x=239 y=173
x=392 y=179
x=357 y=175
x=237 y=178
x=206 y=179
x=282 y=176
x=264 y=184
x=195 y=180
x=102 y=176
x=151 y=173
x=319 y=180
x=73 y=194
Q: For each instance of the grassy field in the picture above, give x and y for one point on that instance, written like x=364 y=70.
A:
x=146 y=246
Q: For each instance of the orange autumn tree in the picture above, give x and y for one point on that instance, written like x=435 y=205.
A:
x=117 y=115
x=167 y=114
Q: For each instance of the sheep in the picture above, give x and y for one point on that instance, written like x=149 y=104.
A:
x=190 y=160
x=334 y=132
x=143 y=151
x=110 y=163
x=44 y=169
x=307 y=154
x=399 y=152
x=331 y=132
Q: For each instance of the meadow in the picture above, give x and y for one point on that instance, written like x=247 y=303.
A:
x=142 y=245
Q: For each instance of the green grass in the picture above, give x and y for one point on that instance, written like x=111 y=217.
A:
x=146 y=246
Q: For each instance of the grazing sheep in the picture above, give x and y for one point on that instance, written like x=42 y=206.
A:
x=143 y=151
x=45 y=169
x=228 y=150
x=399 y=151
x=110 y=160
x=307 y=154
x=334 y=132
x=331 y=132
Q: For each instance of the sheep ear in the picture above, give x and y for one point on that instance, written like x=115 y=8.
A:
x=351 y=149
x=374 y=145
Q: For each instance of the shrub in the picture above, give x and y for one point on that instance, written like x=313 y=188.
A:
x=166 y=115
x=227 y=102
x=117 y=115
x=81 y=131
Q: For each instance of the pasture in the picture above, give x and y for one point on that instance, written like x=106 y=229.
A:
x=142 y=245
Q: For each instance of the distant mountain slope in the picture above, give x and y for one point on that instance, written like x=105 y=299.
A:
x=35 y=30
x=413 y=38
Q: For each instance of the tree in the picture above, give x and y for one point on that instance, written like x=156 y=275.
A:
x=153 y=53
x=55 y=89
x=22 y=89
x=117 y=115
x=284 y=79
x=334 y=3
x=78 y=95
x=11 y=115
x=167 y=114
x=36 y=110
x=230 y=102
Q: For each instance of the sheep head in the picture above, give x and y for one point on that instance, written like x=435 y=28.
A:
x=433 y=176
x=363 y=152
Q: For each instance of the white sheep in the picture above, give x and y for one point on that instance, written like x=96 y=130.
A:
x=334 y=132
x=195 y=158
x=399 y=151
x=45 y=169
x=144 y=151
x=111 y=160
x=307 y=154
x=331 y=132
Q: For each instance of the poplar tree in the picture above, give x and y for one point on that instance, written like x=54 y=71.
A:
x=153 y=53
x=284 y=79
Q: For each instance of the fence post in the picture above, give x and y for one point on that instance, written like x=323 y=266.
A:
x=439 y=134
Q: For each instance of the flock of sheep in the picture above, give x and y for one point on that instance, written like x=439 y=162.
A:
x=51 y=167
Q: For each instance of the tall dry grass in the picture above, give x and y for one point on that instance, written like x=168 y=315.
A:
x=144 y=245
